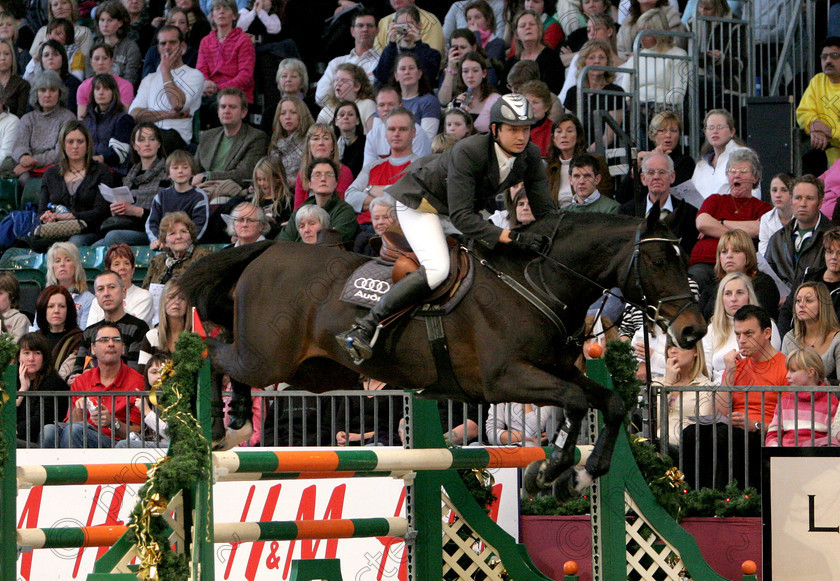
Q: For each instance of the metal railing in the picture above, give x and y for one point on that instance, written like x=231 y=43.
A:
x=593 y=105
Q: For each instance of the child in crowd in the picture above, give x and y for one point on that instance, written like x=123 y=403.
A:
x=153 y=434
x=14 y=321
x=181 y=197
x=61 y=30
x=457 y=122
x=271 y=193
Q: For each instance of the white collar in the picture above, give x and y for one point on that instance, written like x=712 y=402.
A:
x=669 y=204
x=593 y=197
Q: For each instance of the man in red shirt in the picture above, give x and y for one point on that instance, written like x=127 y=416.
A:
x=99 y=422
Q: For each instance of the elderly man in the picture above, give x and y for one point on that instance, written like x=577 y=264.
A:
x=431 y=32
x=818 y=112
x=363 y=30
x=248 y=224
x=798 y=246
x=658 y=176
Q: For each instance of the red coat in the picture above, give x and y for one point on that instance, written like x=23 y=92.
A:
x=541 y=136
x=229 y=63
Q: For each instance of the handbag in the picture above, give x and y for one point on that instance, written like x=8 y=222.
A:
x=60 y=230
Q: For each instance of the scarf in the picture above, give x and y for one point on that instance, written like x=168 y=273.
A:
x=485 y=36
x=172 y=263
x=145 y=185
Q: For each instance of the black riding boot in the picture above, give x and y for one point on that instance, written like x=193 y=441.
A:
x=359 y=340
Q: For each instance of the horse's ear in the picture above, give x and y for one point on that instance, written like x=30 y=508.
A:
x=653 y=216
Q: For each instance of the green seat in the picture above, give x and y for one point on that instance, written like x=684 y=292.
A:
x=93 y=260
x=216 y=247
x=31 y=192
x=311 y=569
x=28 y=267
x=8 y=195
x=142 y=257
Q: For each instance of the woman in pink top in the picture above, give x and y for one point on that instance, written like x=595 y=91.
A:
x=226 y=56
x=101 y=59
x=320 y=142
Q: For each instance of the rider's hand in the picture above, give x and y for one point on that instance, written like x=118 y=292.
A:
x=537 y=243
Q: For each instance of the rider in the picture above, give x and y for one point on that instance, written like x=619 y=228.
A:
x=445 y=193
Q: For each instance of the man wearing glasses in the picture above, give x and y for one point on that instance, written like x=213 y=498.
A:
x=818 y=112
x=248 y=224
x=94 y=421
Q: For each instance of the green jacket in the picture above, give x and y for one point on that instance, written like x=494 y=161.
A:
x=604 y=205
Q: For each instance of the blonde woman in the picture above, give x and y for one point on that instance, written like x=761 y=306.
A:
x=64 y=268
x=815 y=326
x=292 y=121
x=271 y=193
x=320 y=142
x=174 y=314
x=596 y=53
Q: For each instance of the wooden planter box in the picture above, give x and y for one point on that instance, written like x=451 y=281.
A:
x=724 y=542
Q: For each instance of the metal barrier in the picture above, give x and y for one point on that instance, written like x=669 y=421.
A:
x=591 y=102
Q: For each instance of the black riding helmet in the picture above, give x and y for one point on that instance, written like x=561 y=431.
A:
x=513 y=109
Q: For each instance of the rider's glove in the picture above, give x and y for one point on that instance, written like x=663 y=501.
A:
x=537 y=243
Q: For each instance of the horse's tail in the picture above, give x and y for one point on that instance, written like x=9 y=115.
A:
x=209 y=281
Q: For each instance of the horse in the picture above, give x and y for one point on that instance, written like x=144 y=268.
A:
x=279 y=303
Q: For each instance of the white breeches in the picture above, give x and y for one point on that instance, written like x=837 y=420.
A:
x=426 y=232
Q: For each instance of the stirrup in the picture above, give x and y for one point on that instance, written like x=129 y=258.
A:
x=358 y=348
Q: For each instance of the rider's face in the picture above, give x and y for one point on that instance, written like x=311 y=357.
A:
x=513 y=139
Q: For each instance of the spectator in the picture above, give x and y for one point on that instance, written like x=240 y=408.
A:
x=457 y=123
x=473 y=91
x=100 y=423
x=804 y=419
x=140 y=28
x=596 y=53
x=138 y=302
x=350 y=84
x=734 y=291
x=199 y=25
x=175 y=318
x=248 y=224
x=362 y=29
x=529 y=46
x=633 y=25
x=430 y=30
x=369 y=420
x=322 y=180
x=310 y=220
x=404 y=37
x=20 y=51
x=798 y=246
x=665 y=133
x=170 y=97
x=679 y=216
x=568 y=140
x=271 y=194
x=815 y=325
x=383 y=214
x=584 y=175
x=577 y=23
x=456 y=17
x=350 y=134
x=109 y=125
x=736 y=253
x=9 y=125
x=14 y=321
x=180 y=19
x=177 y=240
x=516 y=423
x=64 y=268
x=37 y=373
x=482 y=22
x=376 y=142
x=61 y=31
x=322 y=144
x=462 y=42
x=831 y=179
x=817 y=114
x=14 y=90
x=110 y=295
x=68 y=9
x=374 y=179
x=720 y=144
x=599 y=27
x=155 y=428
x=147 y=176
x=54 y=58
x=112 y=27
x=55 y=317
x=719 y=214
x=181 y=196
x=226 y=58
x=292 y=121
x=102 y=61
x=293 y=78
x=539 y=97
x=229 y=152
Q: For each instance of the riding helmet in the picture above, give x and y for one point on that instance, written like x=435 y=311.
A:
x=513 y=109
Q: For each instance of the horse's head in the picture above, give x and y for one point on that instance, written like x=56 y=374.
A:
x=657 y=280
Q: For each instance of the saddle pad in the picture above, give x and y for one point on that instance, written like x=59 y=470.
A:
x=367 y=284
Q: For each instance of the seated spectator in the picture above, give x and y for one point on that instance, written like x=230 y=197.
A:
x=634 y=24
x=383 y=214
x=665 y=133
x=539 y=97
x=175 y=318
x=271 y=194
x=755 y=362
x=37 y=373
x=226 y=58
x=363 y=31
x=181 y=196
x=350 y=133
x=404 y=36
x=720 y=213
x=53 y=58
x=177 y=240
x=736 y=253
x=831 y=179
x=64 y=268
x=720 y=144
x=9 y=32
x=374 y=179
x=456 y=17
x=584 y=175
x=482 y=22
x=596 y=53
x=528 y=34
x=55 y=318
x=350 y=84
x=179 y=18
x=229 y=152
x=815 y=326
x=816 y=109
x=321 y=176
x=472 y=90
x=293 y=81
x=376 y=142
x=679 y=216
x=457 y=123
x=311 y=220
x=734 y=291
x=547 y=10
x=599 y=27
x=14 y=322
x=525 y=71
x=99 y=422
x=138 y=302
x=416 y=93
x=567 y=141
x=112 y=27
x=147 y=176
x=154 y=433
x=516 y=423
x=292 y=121
x=798 y=245
x=804 y=419
x=68 y=9
x=61 y=30
x=829 y=276
x=429 y=31
x=140 y=28
x=9 y=124
x=578 y=24
x=170 y=97
x=461 y=43
x=102 y=61
x=110 y=295
x=109 y=125
x=14 y=90
x=322 y=143
x=248 y=224
x=199 y=25
x=370 y=420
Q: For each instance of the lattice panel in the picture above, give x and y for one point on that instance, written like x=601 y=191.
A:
x=483 y=560
x=651 y=556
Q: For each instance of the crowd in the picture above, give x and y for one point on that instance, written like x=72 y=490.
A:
x=166 y=100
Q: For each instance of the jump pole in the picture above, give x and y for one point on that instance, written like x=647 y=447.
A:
x=8 y=488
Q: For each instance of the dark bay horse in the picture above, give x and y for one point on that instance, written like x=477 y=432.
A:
x=280 y=304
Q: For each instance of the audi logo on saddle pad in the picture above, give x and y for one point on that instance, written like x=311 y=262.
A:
x=372 y=284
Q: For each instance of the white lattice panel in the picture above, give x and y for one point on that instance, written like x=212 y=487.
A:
x=483 y=558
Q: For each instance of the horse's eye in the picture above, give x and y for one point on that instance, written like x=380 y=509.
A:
x=658 y=262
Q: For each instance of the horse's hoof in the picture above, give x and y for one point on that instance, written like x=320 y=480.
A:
x=218 y=429
x=234 y=437
x=532 y=479
x=571 y=484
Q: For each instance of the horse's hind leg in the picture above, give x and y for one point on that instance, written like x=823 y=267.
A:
x=610 y=404
x=240 y=425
